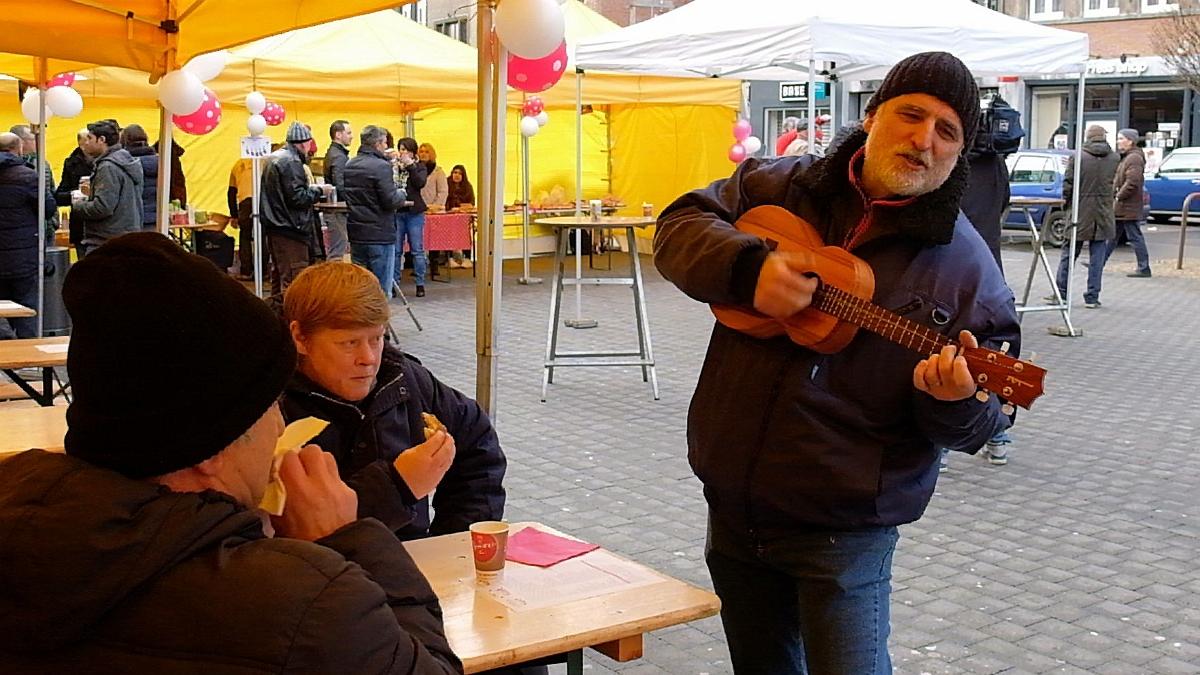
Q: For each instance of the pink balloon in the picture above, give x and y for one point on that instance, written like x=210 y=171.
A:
x=534 y=75
x=61 y=80
x=533 y=106
x=273 y=114
x=205 y=119
x=741 y=130
x=737 y=153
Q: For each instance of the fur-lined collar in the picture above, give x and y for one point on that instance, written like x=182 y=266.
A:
x=929 y=218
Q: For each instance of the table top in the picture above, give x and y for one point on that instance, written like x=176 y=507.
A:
x=25 y=353
x=487 y=634
x=602 y=222
x=12 y=310
x=1016 y=200
x=339 y=206
x=210 y=225
x=32 y=427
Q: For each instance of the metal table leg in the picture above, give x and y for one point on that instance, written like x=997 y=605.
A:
x=45 y=397
x=556 y=283
x=643 y=320
x=1039 y=258
x=400 y=294
x=575 y=662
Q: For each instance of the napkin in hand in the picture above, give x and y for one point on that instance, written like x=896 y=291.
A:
x=532 y=546
x=294 y=436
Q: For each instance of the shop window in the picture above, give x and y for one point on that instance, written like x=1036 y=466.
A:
x=1102 y=98
x=773 y=119
x=1050 y=120
x=1158 y=115
x=1096 y=8
x=1149 y=6
x=1043 y=10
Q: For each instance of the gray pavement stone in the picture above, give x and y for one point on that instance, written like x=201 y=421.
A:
x=1078 y=556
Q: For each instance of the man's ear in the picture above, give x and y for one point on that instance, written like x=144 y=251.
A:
x=869 y=121
x=297 y=338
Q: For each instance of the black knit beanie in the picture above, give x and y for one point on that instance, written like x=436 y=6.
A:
x=941 y=75
x=170 y=359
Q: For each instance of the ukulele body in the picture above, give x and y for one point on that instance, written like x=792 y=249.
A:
x=835 y=266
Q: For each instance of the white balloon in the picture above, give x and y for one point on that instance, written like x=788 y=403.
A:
x=64 y=101
x=530 y=29
x=207 y=66
x=180 y=92
x=752 y=144
x=256 y=102
x=31 y=104
x=256 y=125
x=542 y=118
x=529 y=126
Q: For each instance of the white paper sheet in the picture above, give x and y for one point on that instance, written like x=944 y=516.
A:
x=53 y=349
x=590 y=575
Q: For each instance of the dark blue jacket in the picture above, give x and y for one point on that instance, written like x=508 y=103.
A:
x=786 y=439
x=366 y=437
x=149 y=159
x=18 y=217
x=372 y=198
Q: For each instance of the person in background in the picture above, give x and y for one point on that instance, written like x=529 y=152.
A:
x=791 y=126
x=459 y=194
x=1096 y=222
x=434 y=195
x=240 y=196
x=372 y=197
x=143 y=548
x=286 y=208
x=1128 y=185
x=112 y=203
x=410 y=220
x=77 y=165
x=29 y=153
x=340 y=136
x=19 y=235
x=135 y=140
x=178 y=180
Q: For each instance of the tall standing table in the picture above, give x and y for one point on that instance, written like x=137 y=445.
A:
x=1038 y=241
x=644 y=357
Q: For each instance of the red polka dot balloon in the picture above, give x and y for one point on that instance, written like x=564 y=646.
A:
x=534 y=75
x=273 y=114
x=533 y=106
x=205 y=119
x=61 y=80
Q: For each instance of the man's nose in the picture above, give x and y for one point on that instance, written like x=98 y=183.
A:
x=922 y=137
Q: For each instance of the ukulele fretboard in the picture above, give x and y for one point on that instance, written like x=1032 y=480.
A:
x=868 y=316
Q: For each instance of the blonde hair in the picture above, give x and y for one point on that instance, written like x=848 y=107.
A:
x=432 y=152
x=335 y=295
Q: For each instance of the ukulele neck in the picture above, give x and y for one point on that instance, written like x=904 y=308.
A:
x=862 y=313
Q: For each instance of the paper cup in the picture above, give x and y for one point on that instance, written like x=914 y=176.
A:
x=489 y=542
x=597 y=208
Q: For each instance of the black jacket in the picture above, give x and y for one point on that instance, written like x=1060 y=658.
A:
x=987 y=197
x=75 y=166
x=335 y=166
x=149 y=159
x=286 y=202
x=786 y=439
x=366 y=437
x=178 y=180
x=372 y=197
x=414 y=177
x=1096 y=218
x=115 y=206
x=103 y=574
x=18 y=217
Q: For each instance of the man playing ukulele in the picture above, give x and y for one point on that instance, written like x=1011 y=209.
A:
x=810 y=461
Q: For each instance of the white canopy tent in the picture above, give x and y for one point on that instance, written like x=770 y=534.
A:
x=784 y=39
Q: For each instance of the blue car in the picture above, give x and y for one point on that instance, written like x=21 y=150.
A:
x=1038 y=173
x=1176 y=178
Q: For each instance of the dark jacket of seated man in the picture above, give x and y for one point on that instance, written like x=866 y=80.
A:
x=367 y=436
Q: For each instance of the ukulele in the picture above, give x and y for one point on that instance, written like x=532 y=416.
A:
x=842 y=304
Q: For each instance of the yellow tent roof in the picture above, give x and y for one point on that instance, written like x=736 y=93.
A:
x=138 y=34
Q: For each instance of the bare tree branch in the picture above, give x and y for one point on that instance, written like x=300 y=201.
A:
x=1178 y=40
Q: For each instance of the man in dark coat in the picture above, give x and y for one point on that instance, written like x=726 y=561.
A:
x=113 y=204
x=286 y=208
x=372 y=196
x=375 y=398
x=1128 y=186
x=77 y=165
x=810 y=461
x=19 y=234
x=340 y=136
x=178 y=179
x=134 y=139
x=143 y=550
x=1096 y=222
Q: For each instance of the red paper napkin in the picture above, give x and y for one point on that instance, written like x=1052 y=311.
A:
x=532 y=546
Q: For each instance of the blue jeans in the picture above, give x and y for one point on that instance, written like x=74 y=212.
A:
x=411 y=226
x=1097 y=254
x=809 y=602
x=1133 y=232
x=380 y=259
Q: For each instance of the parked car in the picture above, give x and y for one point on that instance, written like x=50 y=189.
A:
x=1176 y=178
x=1039 y=173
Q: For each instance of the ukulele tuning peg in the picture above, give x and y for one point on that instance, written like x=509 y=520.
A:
x=1007 y=409
x=981 y=396
x=1004 y=347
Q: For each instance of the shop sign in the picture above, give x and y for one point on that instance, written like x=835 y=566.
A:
x=1116 y=68
x=798 y=91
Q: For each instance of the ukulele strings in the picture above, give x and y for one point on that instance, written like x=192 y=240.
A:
x=862 y=313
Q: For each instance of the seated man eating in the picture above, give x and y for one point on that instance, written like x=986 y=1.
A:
x=380 y=402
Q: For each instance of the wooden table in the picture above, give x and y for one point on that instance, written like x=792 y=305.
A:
x=26 y=428
x=12 y=310
x=487 y=634
x=16 y=354
x=559 y=359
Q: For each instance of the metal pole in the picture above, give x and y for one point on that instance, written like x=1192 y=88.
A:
x=579 y=321
x=166 y=145
x=256 y=236
x=1183 y=226
x=1075 y=198
x=43 y=75
x=525 y=278
x=812 y=105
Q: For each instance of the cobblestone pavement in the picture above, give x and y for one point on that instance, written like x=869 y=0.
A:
x=1079 y=556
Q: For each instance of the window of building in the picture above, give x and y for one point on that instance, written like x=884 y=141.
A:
x=1160 y=5
x=1042 y=10
x=417 y=11
x=1157 y=114
x=773 y=119
x=1051 y=119
x=1102 y=98
x=1096 y=8
x=993 y=5
x=455 y=28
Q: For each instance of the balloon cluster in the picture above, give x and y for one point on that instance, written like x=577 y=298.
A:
x=532 y=31
x=744 y=143
x=194 y=108
x=61 y=99
x=263 y=113
x=533 y=116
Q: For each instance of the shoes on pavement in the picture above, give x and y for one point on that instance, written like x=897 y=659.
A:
x=1095 y=304
x=420 y=291
x=1139 y=275
x=996 y=455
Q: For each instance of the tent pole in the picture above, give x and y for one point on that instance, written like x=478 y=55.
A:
x=166 y=146
x=490 y=235
x=579 y=321
x=1070 y=329
x=42 y=76
x=257 y=234
x=525 y=278
x=812 y=105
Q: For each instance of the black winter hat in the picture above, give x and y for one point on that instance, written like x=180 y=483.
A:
x=170 y=359
x=941 y=75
